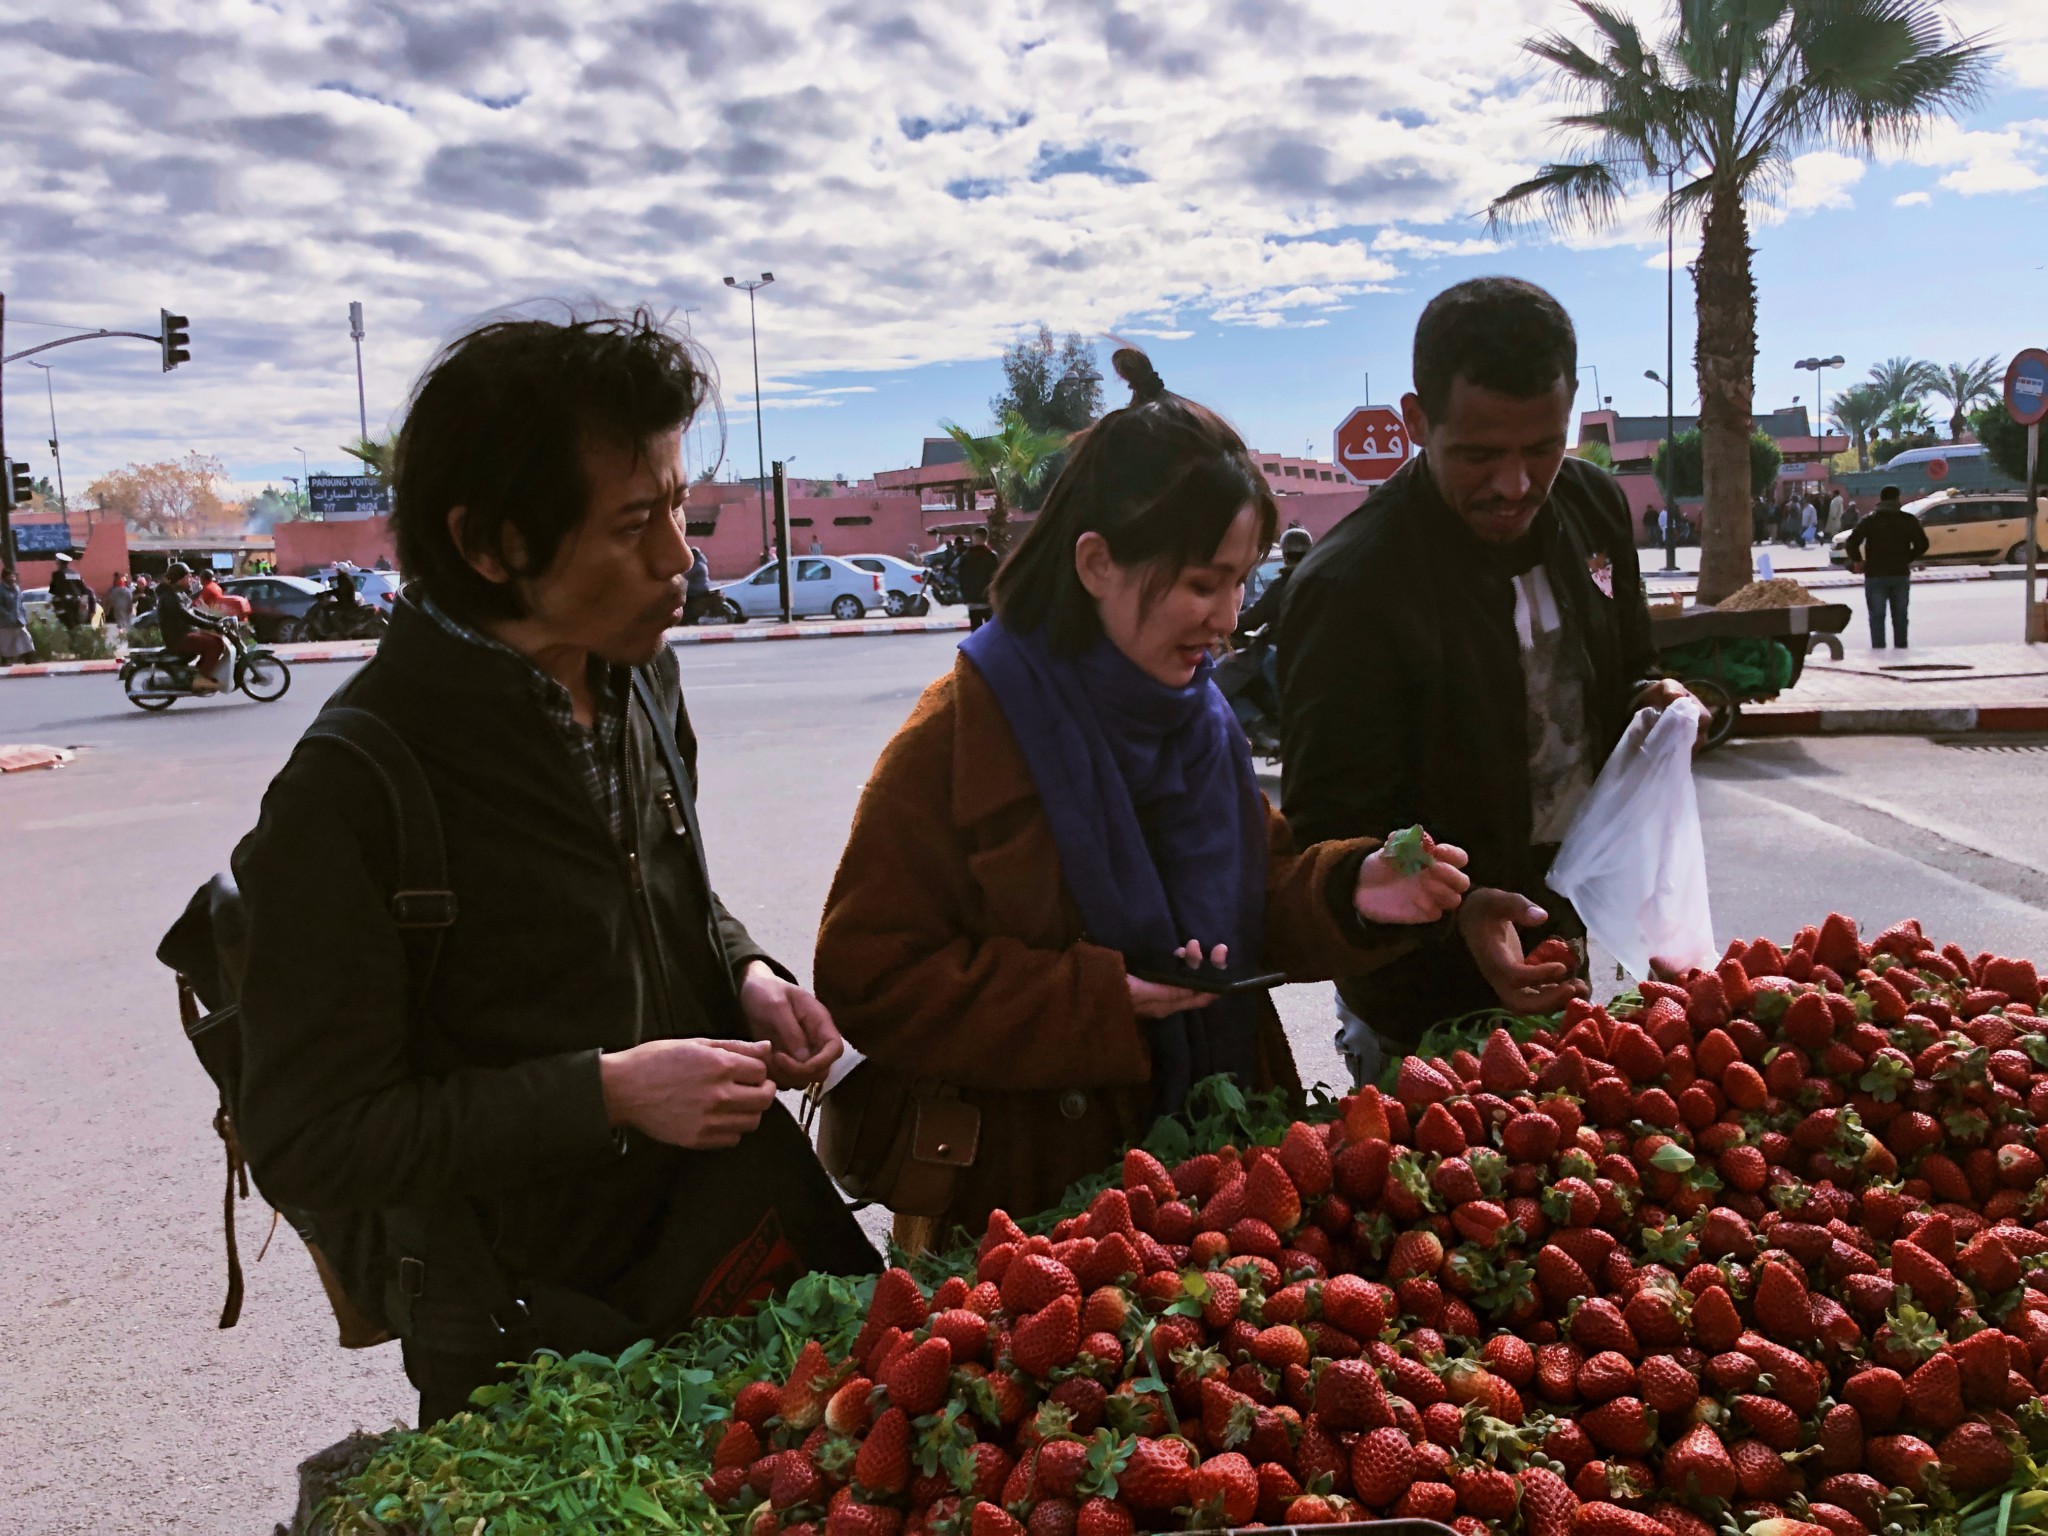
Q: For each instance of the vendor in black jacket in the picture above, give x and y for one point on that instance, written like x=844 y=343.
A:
x=1465 y=649
x=598 y=1026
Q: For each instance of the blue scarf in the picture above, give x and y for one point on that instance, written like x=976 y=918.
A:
x=1156 y=813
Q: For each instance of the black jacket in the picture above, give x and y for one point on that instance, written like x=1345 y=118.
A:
x=975 y=570
x=176 y=617
x=1271 y=604
x=1887 y=542
x=1402 y=697
x=491 y=1093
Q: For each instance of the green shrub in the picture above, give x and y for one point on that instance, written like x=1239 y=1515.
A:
x=81 y=642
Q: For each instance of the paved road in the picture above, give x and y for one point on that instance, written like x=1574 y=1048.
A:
x=127 y=1410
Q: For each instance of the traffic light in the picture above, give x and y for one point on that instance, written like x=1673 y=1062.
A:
x=176 y=339
x=15 y=482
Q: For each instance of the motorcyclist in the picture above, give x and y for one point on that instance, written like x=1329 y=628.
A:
x=344 y=584
x=187 y=631
x=1295 y=544
x=70 y=598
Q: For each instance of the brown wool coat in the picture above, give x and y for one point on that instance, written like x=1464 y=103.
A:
x=951 y=951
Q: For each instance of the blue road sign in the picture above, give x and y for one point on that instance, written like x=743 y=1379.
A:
x=2026 y=386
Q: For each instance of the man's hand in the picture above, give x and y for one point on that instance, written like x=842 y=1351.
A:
x=796 y=1025
x=1488 y=922
x=700 y=1094
x=1666 y=691
x=1385 y=895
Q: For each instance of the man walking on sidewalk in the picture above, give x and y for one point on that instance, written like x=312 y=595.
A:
x=1883 y=547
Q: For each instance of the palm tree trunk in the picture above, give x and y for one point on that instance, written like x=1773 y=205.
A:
x=999 y=524
x=1726 y=356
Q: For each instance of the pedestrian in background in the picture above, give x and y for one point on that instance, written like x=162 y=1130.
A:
x=1809 y=523
x=120 y=603
x=14 y=641
x=817 y=548
x=1838 y=514
x=1883 y=547
x=975 y=572
x=70 y=598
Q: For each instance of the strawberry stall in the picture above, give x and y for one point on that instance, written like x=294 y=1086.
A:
x=1758 y=1249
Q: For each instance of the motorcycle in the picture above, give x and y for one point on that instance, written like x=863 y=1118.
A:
x=1245 y=678
x=157 y=679
x=940 y=582
x=328 y=619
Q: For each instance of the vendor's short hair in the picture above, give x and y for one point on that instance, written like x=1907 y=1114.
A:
x=1500 y=333
x=1161 y=480
x=1889 y=493
x=498 y=425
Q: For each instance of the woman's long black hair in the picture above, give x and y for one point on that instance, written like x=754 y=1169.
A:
x=1161 y=480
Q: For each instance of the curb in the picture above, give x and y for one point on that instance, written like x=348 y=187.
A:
x=731 y=634
x=1887 y=720
x=301 y=655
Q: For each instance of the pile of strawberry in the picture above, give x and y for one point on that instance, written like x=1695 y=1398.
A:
x=1759 y=1248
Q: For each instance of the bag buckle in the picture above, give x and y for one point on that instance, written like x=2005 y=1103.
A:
x=412 y=1278
x=423 y=909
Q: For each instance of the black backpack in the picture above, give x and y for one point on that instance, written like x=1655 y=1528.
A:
x=207 y=948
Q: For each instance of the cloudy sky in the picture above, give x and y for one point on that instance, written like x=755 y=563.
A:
x=1262 y=191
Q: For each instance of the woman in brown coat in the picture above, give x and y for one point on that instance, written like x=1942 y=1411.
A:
x=1070 y=811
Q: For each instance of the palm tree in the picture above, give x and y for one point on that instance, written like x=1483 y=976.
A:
x=1903 y=381
x=1908 y=418
x=1721 y=102
x=1010 y=463
x=1856 y=411
x=1962 y=385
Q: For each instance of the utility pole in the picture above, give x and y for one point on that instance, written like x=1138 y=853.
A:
x=1671 y=365
x=6 y=493
x=760 y=441
x=355 y=330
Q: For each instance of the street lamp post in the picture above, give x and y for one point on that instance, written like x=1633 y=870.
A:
x=754 y=286
x=355 y=330
x=1818 y=366
x=1670 y=465
x=307 y=471
x=50 y=391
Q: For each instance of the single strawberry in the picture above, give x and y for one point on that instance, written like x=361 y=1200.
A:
x=1621 y=1424
x=1769 y=1421
x=1382 y=1466
x=1484 y=1492
x=1600 y=1518
x=1507 y=1355
x=1156 y=1477
x=1973 y=1459
x=1784 y=1308
x=1305 y=1156
x=1666 y=1385
x=1698 y=1465
x=1033 y=1280
x=1932 y=1284
x=1715 y=1322
x=1502 y=1067
x=802 y=1404
x=1352 y=1304
x=1840 y=1437
x=1934 y=1392
x=1104 y=1517
x=1415 y=1254
x=1349 y=1396
x=1046 y=1339
x=1547 y=1503
x=916 y=1379
x=757 y=1402
x=1560 y=1276
x=848 y=1412
x=1598 y=1324
x=993 y=1520
x=1270 y=1196
x=1878 y=1394
x=1760 y=1472
x=898 y=1301
x=1982 y=1361
x=739 y=1446
x=1901 y=1461
x=796 y=1482
x=1224 y=1490
x=1557 y=1371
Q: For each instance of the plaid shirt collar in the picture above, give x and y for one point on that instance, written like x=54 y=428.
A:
x=597 y=749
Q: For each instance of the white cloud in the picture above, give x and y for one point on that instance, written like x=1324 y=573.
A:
x=1912 y=200
x=1975 y=161
x=1822 y=180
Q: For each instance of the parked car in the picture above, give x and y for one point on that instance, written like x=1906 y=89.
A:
x=277 y=604
x=35 y=604
x=1974 y=527
x=903 y=584
x=819 y=585
x=1261 y=577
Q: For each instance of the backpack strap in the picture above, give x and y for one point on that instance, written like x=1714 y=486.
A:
x=664 y=727
x=423 y=906
x=422 y=903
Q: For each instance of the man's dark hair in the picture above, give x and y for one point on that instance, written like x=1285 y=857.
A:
x=1497 y=332
x=1161 y=480
x=1888 y=493
x=498 y=425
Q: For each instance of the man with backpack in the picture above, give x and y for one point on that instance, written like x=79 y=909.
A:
x=534 y=1109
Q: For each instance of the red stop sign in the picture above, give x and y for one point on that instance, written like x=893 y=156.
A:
x=1937 y=469
x=1372 y=442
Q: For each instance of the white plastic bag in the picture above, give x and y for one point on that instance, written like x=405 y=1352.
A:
x=1632 y=861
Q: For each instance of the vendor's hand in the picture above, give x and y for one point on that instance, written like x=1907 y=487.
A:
x=1385 y=895
x=1154 y=1000
x=1666 y=691
x=795 y=1024
x=1488 y=922
x=700 y=1094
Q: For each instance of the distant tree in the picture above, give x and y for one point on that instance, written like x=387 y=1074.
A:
x=1053 y=385
x=1012 y=463
x=42 y=487
x=1902 y=381
x=1964 y=385
x=1856 y=412
x=1683 y=476
x=374 y=454
x=1596 y=453
x=1907 y=418
x=270 y=506
x=174 y=496
x=2004 y=439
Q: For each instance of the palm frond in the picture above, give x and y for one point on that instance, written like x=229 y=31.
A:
x=1877 y=71
x=1573 y=195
